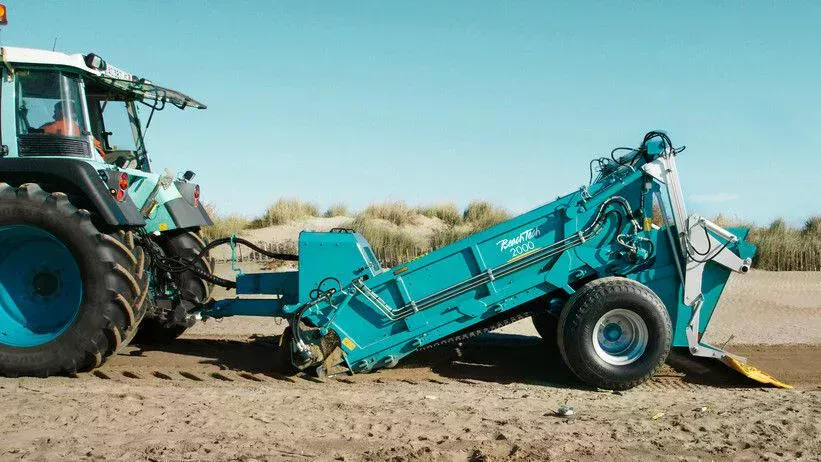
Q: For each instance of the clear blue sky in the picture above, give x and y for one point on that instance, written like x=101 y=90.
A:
x=426 y=101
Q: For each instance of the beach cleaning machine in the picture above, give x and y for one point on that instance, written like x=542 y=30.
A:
x=616 y=273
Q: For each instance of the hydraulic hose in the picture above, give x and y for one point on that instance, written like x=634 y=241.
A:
x=175 y=265
x=247 y=243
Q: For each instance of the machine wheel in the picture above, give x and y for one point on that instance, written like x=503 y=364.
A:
x=192 y=289
x=546 y=323
x=70 y=295
x=614 y=333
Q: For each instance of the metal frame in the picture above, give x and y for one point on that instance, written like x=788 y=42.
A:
x=695 y=232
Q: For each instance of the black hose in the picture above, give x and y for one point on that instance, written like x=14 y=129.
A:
x=305 y=354
x=247 y=243
x=175 y=265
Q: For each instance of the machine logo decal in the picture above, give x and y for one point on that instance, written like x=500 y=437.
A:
x=521 y=243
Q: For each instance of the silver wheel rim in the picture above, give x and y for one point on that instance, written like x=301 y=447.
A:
x=620 y=337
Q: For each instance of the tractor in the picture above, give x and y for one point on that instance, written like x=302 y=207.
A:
x=96 y=247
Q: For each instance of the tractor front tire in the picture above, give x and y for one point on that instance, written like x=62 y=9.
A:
x=192 y=288
x=71 y=295
x=188 y=245
x=614 y=333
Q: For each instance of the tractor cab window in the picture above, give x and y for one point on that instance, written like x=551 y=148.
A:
x=118 y=134
x=50 y=117
x=111 y=124
x=115 y=124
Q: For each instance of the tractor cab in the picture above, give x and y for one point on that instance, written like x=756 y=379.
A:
x=72 y=122
x=80 y=106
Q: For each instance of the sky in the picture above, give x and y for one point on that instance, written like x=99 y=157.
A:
x=429 y=101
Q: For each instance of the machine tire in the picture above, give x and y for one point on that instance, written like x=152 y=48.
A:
x=91 y=285
x=617 y=298
x=547 y=325
x=546 y=322
x=186 y=245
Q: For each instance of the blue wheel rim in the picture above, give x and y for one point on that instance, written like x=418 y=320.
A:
x=41 y=287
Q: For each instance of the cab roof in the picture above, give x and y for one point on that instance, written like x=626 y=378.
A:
x=112 y=76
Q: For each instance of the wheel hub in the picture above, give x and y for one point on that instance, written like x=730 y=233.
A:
x=41 y=287
x=45 y=283
x=620 y=337
x=612 y=332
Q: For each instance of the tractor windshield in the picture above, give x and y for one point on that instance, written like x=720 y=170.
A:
x=50 y=114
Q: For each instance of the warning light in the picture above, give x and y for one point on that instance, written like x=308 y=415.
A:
x=3 y=18
x=123 y=181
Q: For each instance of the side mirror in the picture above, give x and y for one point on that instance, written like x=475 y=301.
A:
x=188 y=175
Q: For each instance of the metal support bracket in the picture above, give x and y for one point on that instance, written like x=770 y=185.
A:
x=694 y=232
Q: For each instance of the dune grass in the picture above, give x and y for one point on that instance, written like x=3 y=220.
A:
x=447 y=212
x=336 y=210
x=223 y=225
x=284 y=211
x=477 y=216
x=812 y=227
x=389 y=227
x=482 y=215
x=782 y=248
x=397 y=213
x=392 y=244
x=448 y=235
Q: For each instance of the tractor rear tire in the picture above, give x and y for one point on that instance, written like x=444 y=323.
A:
x=614 y=333
x=193 y=289
x=72 y=295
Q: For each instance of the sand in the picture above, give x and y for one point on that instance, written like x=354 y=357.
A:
x=215 y=394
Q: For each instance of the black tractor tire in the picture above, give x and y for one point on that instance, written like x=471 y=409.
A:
x=636 y=304
x=188 y=245
x=193 y=290
x=113 y=282
x=155 y=332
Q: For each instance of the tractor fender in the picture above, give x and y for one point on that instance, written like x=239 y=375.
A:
x=187 y=211
x=77 y=178
x=187 y=215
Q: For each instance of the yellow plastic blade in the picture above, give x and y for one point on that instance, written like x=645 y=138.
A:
x=753 y=373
